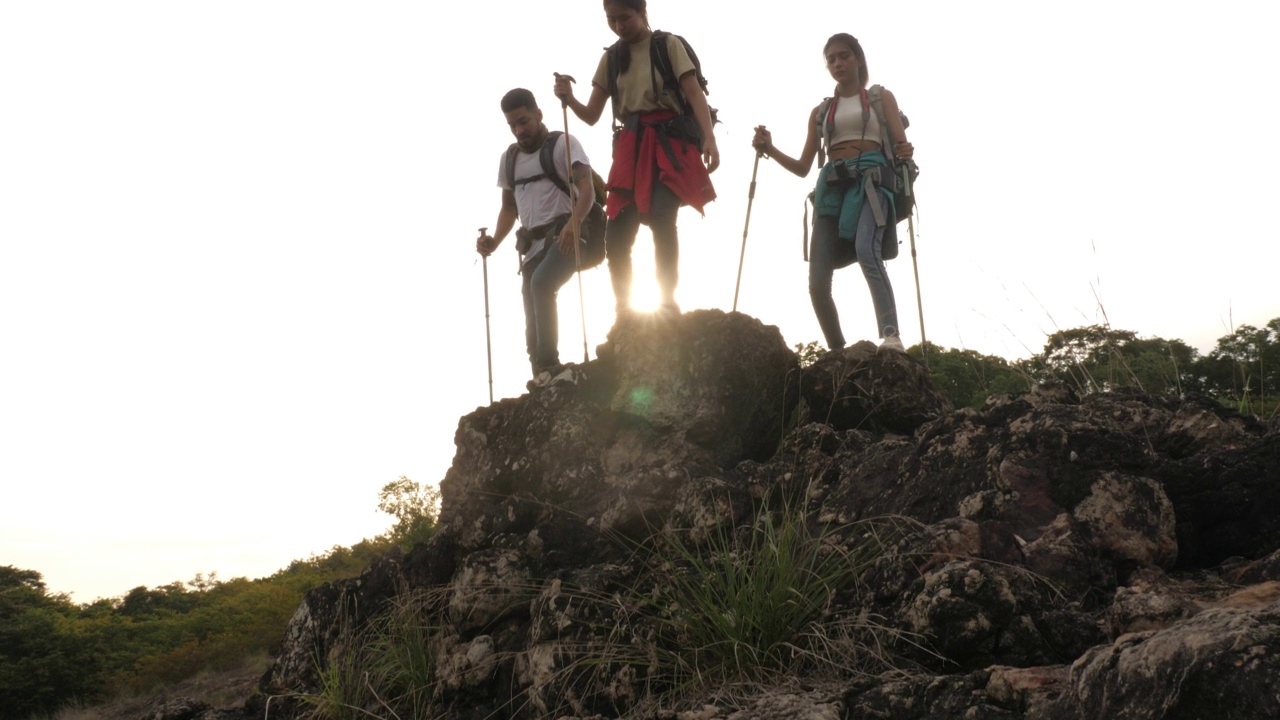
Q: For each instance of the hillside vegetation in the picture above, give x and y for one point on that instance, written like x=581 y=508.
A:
x=56 y=654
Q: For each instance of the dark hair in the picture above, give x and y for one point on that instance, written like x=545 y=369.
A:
x=624 y=56
x=518 y=98
x=852 y=43
x=636 y=5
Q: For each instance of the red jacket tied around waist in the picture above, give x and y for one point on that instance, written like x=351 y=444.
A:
x=646 y=146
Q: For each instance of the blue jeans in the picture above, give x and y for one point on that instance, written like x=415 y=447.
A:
x=829 y=252
x=620 y=237
x=543 y=279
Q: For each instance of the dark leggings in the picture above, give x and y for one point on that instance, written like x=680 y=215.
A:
x=828 y=252
x=620 y=237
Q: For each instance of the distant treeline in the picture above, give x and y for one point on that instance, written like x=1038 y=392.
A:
x=55 y=653
x=1242 y=371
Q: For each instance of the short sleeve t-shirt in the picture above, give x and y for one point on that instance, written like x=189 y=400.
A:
x=540 y=202
x=640 y=87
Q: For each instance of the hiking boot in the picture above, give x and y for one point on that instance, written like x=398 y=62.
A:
x=544 y=377
x=558 y=375
x=669 y=309
x=568 y=376
x=892 y=342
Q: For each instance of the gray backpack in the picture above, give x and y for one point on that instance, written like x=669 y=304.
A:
x=901 y=174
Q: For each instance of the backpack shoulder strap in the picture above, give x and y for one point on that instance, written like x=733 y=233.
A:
x=548 y=159
x=510 y=163
x=660 y=61
x=660 y=55
x=612 y=61
x=823 y=121
x=875 y=95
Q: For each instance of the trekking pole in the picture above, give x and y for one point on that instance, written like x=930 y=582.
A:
x=573 y=200
x=488 y=343
x=915 y=265
x=751 y=196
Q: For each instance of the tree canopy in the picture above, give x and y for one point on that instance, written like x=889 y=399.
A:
x=1243 y=371
x=54 y=652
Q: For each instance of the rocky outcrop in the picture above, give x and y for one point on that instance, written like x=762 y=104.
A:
x=1047 y=556
x=667 y=402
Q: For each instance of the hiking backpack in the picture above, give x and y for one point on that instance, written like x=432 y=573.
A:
x=594 y=225
x=660 y=59
x=905 y=171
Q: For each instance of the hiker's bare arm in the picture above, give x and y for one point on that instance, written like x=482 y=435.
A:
x=506 y=220
x=586 y=195
x=586 y=192
x=763 y=142
x=589 y=113
x=901 y=148
x=690 y=88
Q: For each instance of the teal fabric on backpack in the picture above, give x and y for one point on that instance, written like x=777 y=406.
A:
x=844 y=199
x=899 y=186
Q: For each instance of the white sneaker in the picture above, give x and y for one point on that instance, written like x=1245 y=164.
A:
x=567 y=376
x=892 y=342
x=542 y=379
x=560 y=375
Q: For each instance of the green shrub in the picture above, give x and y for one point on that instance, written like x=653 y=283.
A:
x=756 y=603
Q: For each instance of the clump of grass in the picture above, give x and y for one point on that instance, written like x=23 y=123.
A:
x=343 y=694
x=386 y=670
x=403 y=655
x=737 y=607
x=765 y=601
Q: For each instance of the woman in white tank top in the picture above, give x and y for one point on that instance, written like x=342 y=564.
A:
x=849 y=223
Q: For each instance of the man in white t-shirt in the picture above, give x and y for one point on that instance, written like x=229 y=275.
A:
x=549 y=222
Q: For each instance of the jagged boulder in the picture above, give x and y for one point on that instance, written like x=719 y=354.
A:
x=860 y=387
x=670 y=399
x=1221 y=663
x=1257 y=571
x=715 y=381
x=1225 y=501
x=1046 y=556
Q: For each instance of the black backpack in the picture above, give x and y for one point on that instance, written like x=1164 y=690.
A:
x=660 y=58
x=593 y=227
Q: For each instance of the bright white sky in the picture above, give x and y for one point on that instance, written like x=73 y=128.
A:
x=238 y=287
